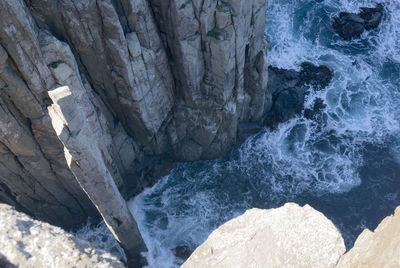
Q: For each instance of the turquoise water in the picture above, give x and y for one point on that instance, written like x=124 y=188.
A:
x=345 y=163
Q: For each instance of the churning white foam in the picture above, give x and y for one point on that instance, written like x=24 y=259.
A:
x=98 y=234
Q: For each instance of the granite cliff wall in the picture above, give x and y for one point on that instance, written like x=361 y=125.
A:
x=93 y=92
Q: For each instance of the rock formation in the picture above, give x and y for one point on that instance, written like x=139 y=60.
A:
x=294 y=236
x=91 y=90
x=25 y=243
x=290 y=236
x=351 y=25
x=288 y=89
x=380 y=248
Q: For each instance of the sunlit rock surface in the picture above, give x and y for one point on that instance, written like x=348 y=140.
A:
x=25 y=242
x=165 y=80
x=149 y=81
x=289 y=236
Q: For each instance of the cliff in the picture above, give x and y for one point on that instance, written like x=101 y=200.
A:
x=26 y=242
x=92 y=93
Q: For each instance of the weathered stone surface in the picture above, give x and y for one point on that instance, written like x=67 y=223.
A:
x=25 y=242
x=145 y=79
x=218 y=58
x=128 y=67
x=33 y=171
x=290 y=236
x=380 y=248
x=85 y=157
x=88 y=147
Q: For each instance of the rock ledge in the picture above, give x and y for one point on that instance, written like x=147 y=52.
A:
x=289 y=236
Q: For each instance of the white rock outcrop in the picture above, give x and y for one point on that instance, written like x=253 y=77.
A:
x=289 y=236
x=25 y=242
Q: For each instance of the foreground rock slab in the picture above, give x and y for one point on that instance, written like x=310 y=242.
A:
x=25 y=242
x=290 y=236
x=380 y=248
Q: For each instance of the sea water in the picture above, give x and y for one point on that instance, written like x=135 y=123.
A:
x=344 y=163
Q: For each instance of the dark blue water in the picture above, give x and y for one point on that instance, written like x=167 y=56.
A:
x=345 y=163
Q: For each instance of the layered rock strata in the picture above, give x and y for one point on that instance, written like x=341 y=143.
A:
x=90 y=90
x=289 y=236
x=25 y=242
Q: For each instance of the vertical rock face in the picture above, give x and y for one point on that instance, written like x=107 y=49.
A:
x=35 y=175
x=91 y=89
x=218 y=58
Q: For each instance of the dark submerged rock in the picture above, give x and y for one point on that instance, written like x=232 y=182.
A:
x=287 y=104
x=318 y=77
x=351 y=25
x=317 y=108
x=348 y=25
x=288 y=89
x=183 y=252
x=372 y=16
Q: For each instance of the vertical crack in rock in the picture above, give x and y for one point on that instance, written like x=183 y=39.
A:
x=150 y=82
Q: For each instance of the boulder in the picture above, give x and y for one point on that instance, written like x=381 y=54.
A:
x=289 y=236
x=25 y=242
x=351 y=25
